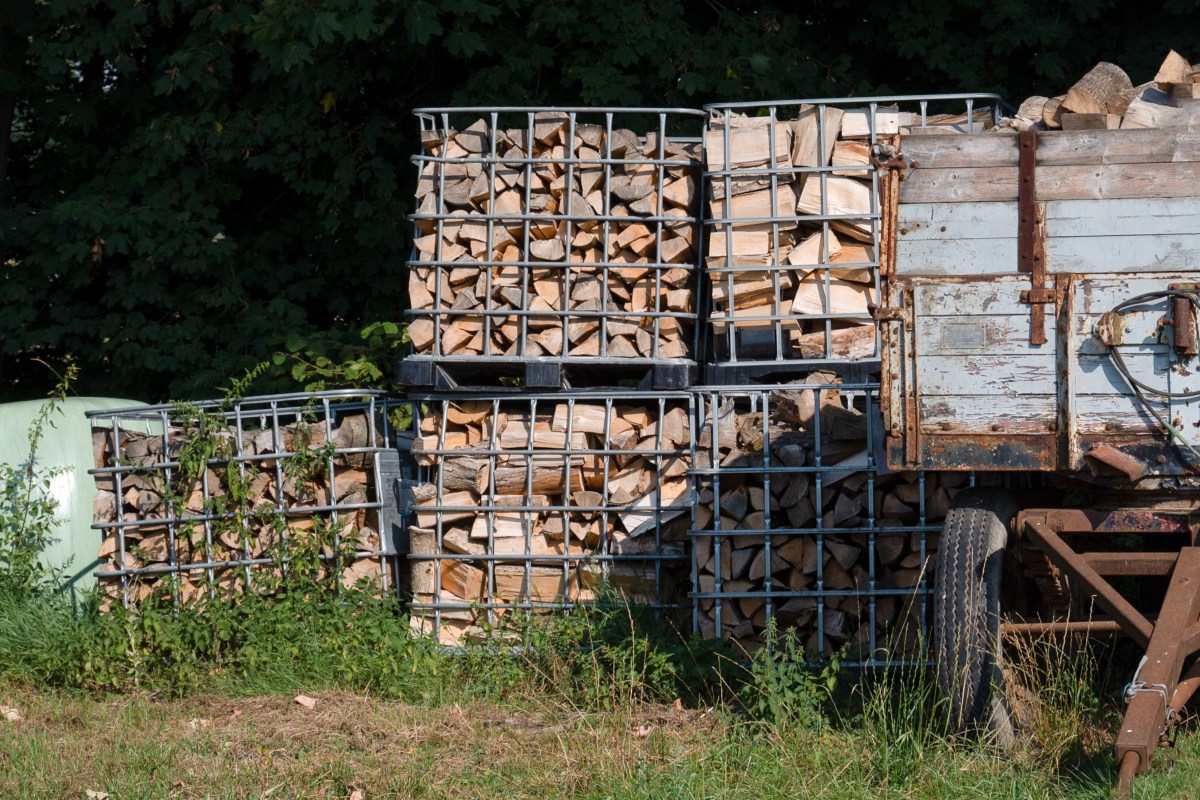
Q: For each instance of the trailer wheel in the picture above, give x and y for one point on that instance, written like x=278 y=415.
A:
x=966 y=612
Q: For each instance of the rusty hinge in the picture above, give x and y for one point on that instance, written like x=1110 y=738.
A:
x=1031 y=227
x=887 y=314
x=1032 y=296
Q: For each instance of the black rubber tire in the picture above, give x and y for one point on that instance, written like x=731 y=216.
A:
x=966 y=613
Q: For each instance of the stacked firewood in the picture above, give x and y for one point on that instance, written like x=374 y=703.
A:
x=1106 y=98
x=562 y=239
x=536 y=505
x=770 y=269
x=845 y=589
x=230 y=499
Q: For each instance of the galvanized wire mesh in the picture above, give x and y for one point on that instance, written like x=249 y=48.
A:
x=221 y=498
x=565 y=234
x=534 y=503
x=795 y=226
x=799 y=521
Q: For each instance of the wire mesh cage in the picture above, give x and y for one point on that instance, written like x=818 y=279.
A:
x=799 y=521
x=535 y=503
x=796 y=229
x=216 y=499
x=564 y=237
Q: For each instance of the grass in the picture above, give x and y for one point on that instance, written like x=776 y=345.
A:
x=605 y=704
x=135 y=746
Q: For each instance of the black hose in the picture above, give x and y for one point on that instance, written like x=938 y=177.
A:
x=1139 y=388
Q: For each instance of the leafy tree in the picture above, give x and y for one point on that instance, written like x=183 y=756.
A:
x=188 y=187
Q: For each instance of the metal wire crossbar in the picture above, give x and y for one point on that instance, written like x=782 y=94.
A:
x=795 y=220
x=212 y=497
x=568 y=235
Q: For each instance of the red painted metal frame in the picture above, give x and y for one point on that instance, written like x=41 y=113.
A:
x=1160 y=687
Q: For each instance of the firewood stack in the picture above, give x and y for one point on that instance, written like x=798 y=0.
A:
x=858 y=542
x=1106 y=98
x=793 y=231
x=560 y=238
x=224 y=511
x=532 y=503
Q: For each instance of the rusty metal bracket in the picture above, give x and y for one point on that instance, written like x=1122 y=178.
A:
x=1045 y=296
x=1112 y=457
x=1183 y=319
x=885 y=155
x=886 y=313
x=1031 y=232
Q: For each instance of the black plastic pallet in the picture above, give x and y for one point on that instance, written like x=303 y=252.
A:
x=461 y=374
x=741 y=373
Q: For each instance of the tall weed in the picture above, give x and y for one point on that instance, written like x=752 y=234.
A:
x=27 y=505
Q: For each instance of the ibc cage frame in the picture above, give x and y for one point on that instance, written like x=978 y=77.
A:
x=764 y=346
x=588 y=460
x=249 y=418
x=718 y=410
x=433 y=216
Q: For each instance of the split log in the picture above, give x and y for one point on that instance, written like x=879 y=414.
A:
x=1101 y=91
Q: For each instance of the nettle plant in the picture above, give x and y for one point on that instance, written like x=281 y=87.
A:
x=297 y=550
x=27 y=504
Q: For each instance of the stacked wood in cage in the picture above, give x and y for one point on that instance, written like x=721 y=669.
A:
x=562 y=239
x=1105 y=98
x=847 y=593
x=534 y=509
x=232 y=498
x=772 y=266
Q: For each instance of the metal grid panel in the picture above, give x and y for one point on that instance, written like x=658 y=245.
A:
x=795 y=228
x=504 y=178
x=212 y=498
x=533 y=503
x=793 y=477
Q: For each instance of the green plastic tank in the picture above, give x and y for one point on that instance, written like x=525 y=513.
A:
x=66 y=445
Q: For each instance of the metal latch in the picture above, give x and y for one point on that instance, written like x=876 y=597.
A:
x=888 y=156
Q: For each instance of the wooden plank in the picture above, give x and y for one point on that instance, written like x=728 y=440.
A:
x=999 y=184
x=970 y=413
x=999 y=377
x=1068 y=254
x=976 y=414
x=1110 y=217
x=1146 y=146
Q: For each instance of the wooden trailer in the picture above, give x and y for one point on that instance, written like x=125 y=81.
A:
x=1039 y=313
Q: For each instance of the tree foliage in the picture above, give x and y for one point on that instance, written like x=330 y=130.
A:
x=188 y=187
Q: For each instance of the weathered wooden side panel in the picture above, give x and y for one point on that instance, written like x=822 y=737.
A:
x=1121 y=213
x=1085 y=236
x=973 y=373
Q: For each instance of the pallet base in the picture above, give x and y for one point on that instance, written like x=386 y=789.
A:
x=740 y=373
x=445 y=376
